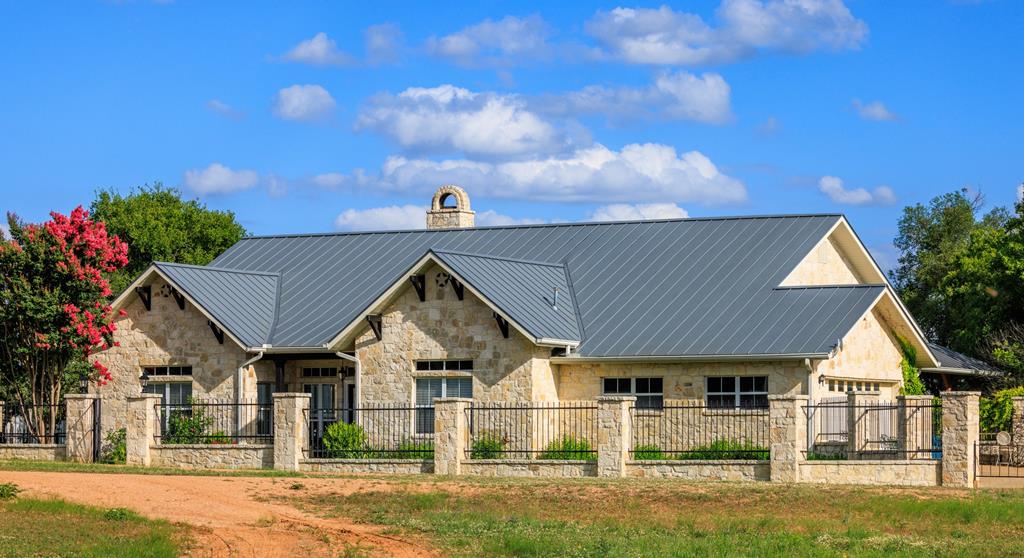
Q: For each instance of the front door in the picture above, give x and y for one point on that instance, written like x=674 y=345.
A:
x=321 y=410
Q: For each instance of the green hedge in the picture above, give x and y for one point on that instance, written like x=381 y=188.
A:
x=487 y=446
x=997 y=410
x=569 y=447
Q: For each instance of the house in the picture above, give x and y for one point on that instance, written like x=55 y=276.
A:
x=722 y=310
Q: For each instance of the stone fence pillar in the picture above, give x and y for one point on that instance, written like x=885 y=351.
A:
x=3 y=418
x=959 y=437
x=141 y=428
x=291 y=429
x=450 y=434
x=81 y=439
x=861 y=421
x=914 y=426
x=1016 y=427
x=787 y=435
x=614 y=434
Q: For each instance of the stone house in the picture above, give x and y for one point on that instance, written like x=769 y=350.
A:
x=721 y=310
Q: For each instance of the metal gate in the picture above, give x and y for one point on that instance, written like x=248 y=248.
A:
x=997 y=456
x=97 y=441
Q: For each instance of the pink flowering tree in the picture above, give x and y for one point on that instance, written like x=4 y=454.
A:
x=54 y=307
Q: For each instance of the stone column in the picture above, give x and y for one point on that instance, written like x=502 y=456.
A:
x=450 y=434
x=861 y=420
x=3 y=417
x=80 y=421
x=291 y=429
x=914 y=429
x=614 y=434
x=787 y=435
x=959 y=437
x=141 y=427
x=1016 y=431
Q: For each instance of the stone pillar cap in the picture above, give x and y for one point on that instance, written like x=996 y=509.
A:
x=84 y=396
x=616 y=398
x=453 y=400
x=291 y=395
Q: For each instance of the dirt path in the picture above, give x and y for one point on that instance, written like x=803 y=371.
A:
x=234 y=515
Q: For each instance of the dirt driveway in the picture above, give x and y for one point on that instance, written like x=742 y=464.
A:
x=234 y=516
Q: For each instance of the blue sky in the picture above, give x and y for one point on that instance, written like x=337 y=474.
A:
x=317 y=116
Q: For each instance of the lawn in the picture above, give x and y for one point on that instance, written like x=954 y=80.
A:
x=53 y=528
x=660 y=518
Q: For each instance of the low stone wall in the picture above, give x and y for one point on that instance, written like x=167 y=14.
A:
x=529 y=468
x=211 y=456
x=394 y=466
x=34 y=452
x=726 y=470
x=902 y=472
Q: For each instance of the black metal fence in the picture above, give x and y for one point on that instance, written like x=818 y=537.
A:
x=215 y=422
x=33 y=424
x=532 y=430
x=903 y=429
x=379 y=432
x=692 y=430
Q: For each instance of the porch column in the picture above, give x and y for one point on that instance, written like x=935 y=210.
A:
x=614 y=434
x=1016 y=434
x=80 y=440
x=450 y=434
x=914 y=426
x=959 y=437
x=787 y=434
x=862 y=414
x=141 y=428
x=291 y=429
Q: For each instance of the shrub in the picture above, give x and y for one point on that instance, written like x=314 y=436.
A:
x=187 y=427
x=119 y=514
x=116 y=451
x=569 y=447
x=836 y=456
x=411 y=449
x=912 y=384
x=219 y=438
x=648 y=452
x=9 y=491
x=997 y=411
x=727 y=449
x=487 y=446
x=345 y=441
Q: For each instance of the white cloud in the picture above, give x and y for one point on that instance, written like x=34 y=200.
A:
x=638 y=172
x=320 y=50
x=223 y=109
x=508 y=41
x=219 y=179
x=832 y=187
x=329 y=180
x=383 y=43
x=672 y=95
x=491 y=218
x=769 y=127
x=874 y=110
x=627 y=212
x=404 y=217
x=448 y=118
x=1020 y=192
x=305 y=103
x=665 y=36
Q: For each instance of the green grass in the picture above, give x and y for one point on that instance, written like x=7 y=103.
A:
x=36 y=527
x=669 y=518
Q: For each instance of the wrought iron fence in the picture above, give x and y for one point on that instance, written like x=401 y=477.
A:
x=33 y=424
x=903 y=429
x=215 y=422
x=542 y=430
x=692 y=430
x=379 y=432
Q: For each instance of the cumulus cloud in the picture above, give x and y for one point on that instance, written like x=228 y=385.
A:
x=665 y=36
x=383 y=43
x=448 y=118
x=409 y=216
x=508 y=41
x=304 y=103
x=874 y=110
x=219 y=179
x=320 y=50
x=491 y=218
x=223 y=109
x=637 y=212
x=833 y=187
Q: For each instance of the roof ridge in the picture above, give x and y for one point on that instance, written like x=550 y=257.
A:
x=220 y=269
x=549 y=225
x=499 y=258
x=809 y=287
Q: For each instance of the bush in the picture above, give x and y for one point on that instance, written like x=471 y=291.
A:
x=410 y=449
x=727 y=449
x=836 y=456
x=912 y=384
x=9 y=491
x=648 y=452
x=569 y=447
x=487 y=446
x=997 y=411
x=119 y=514
x=116 y=451
x=345 y=441
x=187 y=427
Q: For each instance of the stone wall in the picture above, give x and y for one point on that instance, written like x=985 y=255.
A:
x=529 y=468
x=893 y=472
x=685 y=425
x=206 y=456
x=701 y=470
x=389 y=466
x=824 y=265
x=33 y=452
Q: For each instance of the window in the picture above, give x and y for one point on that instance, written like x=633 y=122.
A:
x=845 y=386
x=428 y=389
x=167 y=370
x=426 y=365
x=174 y=397
x=648 y=391
x=319 y=372
x=737 y=392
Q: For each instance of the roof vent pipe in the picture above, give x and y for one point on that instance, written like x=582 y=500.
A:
x=554 y=300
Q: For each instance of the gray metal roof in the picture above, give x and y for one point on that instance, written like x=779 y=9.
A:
x=523 y=290
x=644 y=288
x=953 y=362
x=243 y=302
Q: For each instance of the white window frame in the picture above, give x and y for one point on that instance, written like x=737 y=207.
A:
x=635 y=393
x=430 y=405
x=736 y=392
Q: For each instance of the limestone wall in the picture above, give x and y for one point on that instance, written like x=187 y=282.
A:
x=824 y=265
x=207 y=456
x=685 y=425
x=912 y=472
x=392 y=466
x=529 y=468
x=869 y=352
x=701 y=470
x=33 y=452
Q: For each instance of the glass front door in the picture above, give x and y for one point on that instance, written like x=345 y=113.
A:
x=321 y=408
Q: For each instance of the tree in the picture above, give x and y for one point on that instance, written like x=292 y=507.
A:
x=53 y=306
x=161 y=226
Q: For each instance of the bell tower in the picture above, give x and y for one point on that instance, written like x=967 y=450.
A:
x=450 y=209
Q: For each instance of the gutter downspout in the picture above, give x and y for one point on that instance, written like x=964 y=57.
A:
x=811 y=407
x=238 y=388
x=359 y=373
